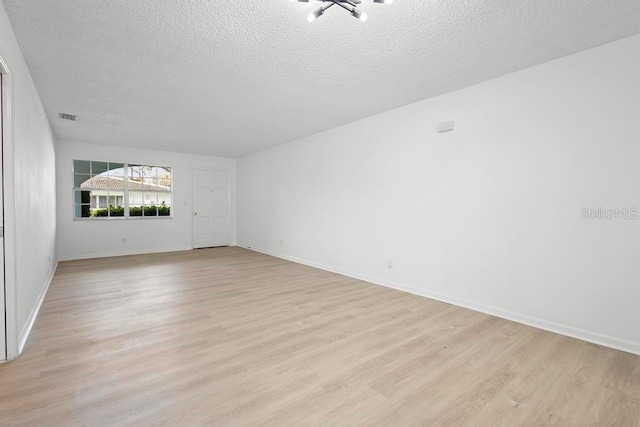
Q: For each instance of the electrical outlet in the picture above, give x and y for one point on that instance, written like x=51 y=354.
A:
x=389 y=263
x=124 y=240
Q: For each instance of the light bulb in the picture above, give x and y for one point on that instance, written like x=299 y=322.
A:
x=359 y=15
x=313 y=15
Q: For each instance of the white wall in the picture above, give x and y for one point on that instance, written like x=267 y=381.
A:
x=488 y=216
x=29 y=194
x=99 y=238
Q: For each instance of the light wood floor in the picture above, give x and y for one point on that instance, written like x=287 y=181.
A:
x=232 y=337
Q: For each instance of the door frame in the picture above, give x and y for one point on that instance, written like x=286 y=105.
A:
x=10 y=291
x=193 y=198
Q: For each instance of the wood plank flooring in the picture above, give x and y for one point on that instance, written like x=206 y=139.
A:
x=232 y=337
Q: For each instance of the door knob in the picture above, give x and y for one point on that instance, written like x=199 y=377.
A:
x=195 y=213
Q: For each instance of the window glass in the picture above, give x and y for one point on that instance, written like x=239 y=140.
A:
x=110 y=189
x=79 y=179
x=98 y=168
x=82 y=166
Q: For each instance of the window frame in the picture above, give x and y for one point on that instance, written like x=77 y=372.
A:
x=126 y=198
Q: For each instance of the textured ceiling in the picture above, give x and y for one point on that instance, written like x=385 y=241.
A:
x=227 y=78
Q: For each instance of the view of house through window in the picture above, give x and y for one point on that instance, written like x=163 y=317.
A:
x=105 y=189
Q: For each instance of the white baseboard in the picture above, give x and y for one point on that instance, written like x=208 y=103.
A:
x=570 y=331
x=26 y=330
x=123 y=253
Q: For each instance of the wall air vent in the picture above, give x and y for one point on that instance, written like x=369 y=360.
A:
x=66 y=116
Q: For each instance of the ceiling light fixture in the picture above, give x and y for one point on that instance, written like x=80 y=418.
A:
x=348 y=5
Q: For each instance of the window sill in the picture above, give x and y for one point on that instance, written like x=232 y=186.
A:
x=122 y=218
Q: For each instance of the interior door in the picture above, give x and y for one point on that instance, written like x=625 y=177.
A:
x=211 y=199
x=3 y=330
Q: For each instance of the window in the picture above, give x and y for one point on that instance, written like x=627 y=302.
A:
x=120 y=190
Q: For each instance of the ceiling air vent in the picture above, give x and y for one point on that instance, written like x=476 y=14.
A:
x=66 y=116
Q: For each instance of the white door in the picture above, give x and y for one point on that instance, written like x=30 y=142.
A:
x=3 y=330
x=210 y=208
